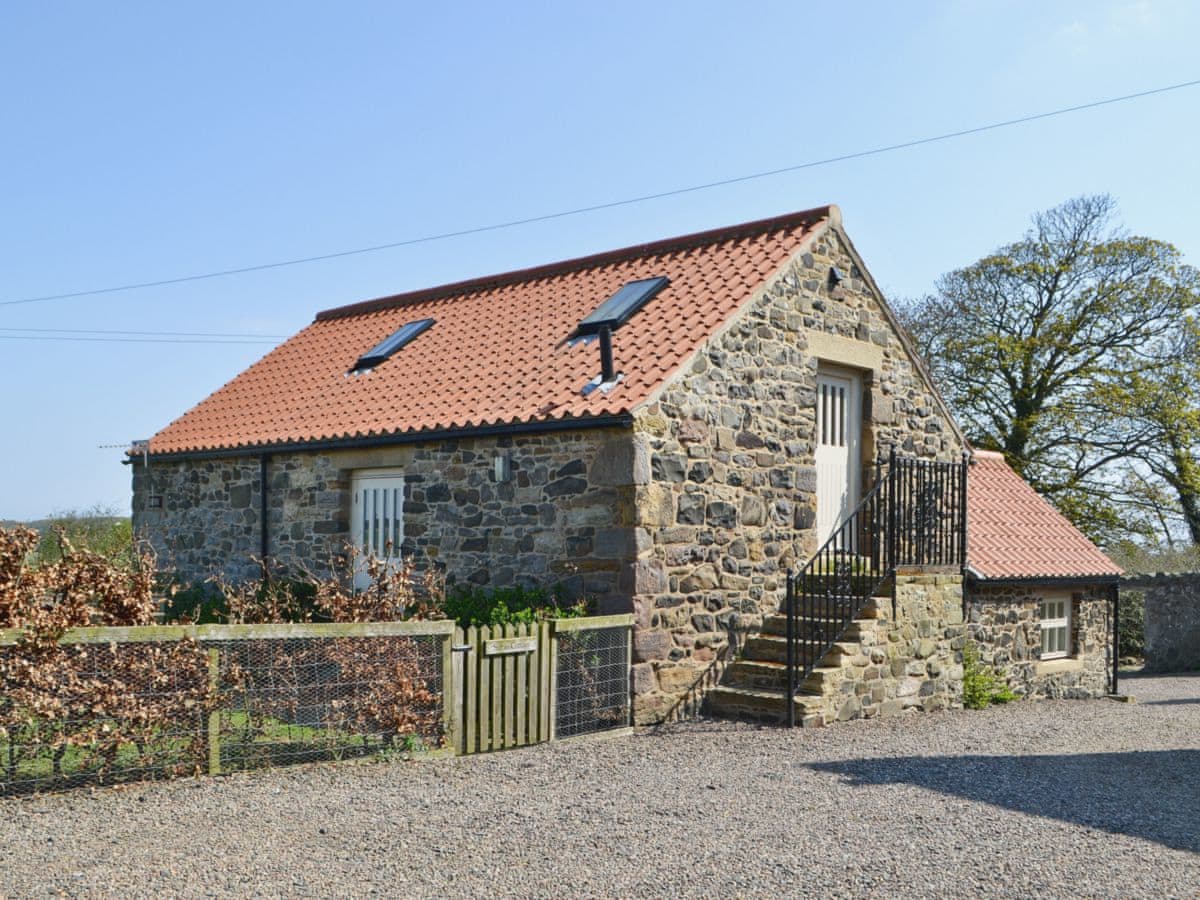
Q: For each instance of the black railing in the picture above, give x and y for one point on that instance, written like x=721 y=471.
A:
x=915 y=514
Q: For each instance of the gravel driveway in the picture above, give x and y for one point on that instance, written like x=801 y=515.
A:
x=1064 y=798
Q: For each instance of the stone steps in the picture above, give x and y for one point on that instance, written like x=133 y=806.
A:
x=754 y=685
x=773 y=648
x=763 y=705
x=770 y=675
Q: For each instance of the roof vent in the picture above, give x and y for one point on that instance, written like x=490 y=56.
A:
x=388 y=346
x=609 y=316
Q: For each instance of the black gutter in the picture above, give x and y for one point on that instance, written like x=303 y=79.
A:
x=1057 y=581
x=623 y=420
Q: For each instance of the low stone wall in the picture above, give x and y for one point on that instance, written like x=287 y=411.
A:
x=1172 y=620
x=890 y=663
x=1004 y=620
x=917 y=662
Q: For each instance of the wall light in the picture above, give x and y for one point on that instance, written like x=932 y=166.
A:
x=502 y=467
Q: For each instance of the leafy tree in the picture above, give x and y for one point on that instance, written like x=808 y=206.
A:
x=1166 y=403
x=100 y=529
x=1056 y=348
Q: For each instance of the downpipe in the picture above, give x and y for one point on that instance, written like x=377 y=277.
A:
x=1115 y=592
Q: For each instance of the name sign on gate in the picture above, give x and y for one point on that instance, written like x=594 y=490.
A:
x=501 y=646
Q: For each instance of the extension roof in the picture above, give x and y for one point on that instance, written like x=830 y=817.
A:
x=1014 y=534
x=497 y=354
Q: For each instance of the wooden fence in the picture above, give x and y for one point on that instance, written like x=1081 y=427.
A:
x=509 y=679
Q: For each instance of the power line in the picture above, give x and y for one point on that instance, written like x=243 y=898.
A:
x=612 y=204
x=128 y=340
x=207 y=334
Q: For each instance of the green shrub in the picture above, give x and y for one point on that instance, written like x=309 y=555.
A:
x=97 y=530
x=471 y=605
x=982 y=686
x=208 y=603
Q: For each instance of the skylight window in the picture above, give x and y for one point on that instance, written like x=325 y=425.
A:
x=620 y=307
x=388 y=346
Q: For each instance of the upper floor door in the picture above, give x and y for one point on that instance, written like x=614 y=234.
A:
x=838 y=455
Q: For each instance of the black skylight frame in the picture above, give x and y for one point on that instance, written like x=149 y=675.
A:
x=387 y=348
x=620 y=307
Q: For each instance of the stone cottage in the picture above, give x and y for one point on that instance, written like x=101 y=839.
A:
x=1041 y=596
x=667 y=428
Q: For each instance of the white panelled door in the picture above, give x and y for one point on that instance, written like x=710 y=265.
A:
x=839 y=433
x=376 y=518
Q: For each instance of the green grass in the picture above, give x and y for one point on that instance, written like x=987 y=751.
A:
x=247 y=742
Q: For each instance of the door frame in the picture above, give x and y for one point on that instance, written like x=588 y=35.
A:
x=360 y=479
x=852 y=426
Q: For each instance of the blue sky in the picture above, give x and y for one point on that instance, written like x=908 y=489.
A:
x=145 y=141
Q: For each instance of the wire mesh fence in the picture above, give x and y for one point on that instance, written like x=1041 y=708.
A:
x=109 y=705
x=102 y=712
x=307 y=699
x=592 y=691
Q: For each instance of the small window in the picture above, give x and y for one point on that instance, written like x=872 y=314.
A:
x=389 y=345
x=1056 y=627
x=376 y=518
x=620 y=307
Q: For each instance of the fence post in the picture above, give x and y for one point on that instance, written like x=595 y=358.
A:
x=553 y=683
x=471 y=704
x=545 y=678
x=629 y=672
x=450 y=705
x=214 y=714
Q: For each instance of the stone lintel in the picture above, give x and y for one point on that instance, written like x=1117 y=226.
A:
x=843 y=351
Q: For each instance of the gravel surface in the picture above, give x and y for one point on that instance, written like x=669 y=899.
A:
x=1067 y=798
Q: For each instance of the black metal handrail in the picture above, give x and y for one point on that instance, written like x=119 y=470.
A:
x=915 y=514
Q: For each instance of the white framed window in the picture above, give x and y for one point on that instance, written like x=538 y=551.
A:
x=376 y=517
x=1056 y=627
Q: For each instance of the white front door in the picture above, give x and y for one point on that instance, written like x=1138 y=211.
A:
x=839 y=432
x=376 y=518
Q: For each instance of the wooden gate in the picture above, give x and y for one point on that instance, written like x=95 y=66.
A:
x=506 y=694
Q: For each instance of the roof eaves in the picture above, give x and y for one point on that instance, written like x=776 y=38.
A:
x=1063 y=580
x=566 y=423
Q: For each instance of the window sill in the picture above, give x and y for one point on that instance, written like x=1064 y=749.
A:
x=1057 y=666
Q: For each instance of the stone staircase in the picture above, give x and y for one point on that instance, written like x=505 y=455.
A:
x=754 y=685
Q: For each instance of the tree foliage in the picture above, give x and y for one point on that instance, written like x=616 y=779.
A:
x=98 y=529
x=1072 y=351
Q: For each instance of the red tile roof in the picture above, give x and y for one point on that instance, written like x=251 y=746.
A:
x=497 y=353
x=1013 y=533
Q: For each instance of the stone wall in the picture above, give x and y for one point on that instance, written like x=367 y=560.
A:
x=731 y=502
x=1004 y=620
x=1172 y=621
x=893 y=663
x=692 y=520
x=566 y=515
